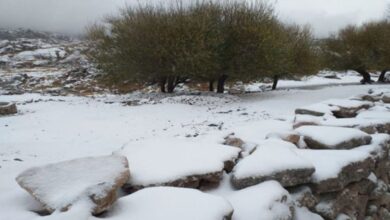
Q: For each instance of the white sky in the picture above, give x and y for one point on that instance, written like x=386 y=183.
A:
x=71 y=16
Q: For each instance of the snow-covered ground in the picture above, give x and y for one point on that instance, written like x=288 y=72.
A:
x=51 y=129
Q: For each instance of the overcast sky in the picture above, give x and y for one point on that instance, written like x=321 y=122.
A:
x=71 y=16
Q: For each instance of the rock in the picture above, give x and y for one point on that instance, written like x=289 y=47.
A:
x=340 y=108
x=172 y=203
x=319 y=109
x=272 y=160
x=347 y=108
x=304 y=197
x=386 y=98
x=335 y=169
x=237 y=89
x=186 y=163
x=371 y=98
x=233 y=141
x=331 y=76
x=325 y=137
x=58 y=186
x=368 y=125
x=268 y=201
x=7 y=108
x=351 y=201
x=292 y=137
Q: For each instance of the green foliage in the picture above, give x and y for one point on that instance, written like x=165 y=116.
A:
x=362 y=47
x=206 y=41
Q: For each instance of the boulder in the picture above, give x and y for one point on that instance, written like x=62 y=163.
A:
x=58 y=186
x=272 y=160
x=326 y=137
x=7 y=108
x=172 y=203
x=177 y=162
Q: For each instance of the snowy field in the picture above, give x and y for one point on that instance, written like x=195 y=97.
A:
x=51 y=129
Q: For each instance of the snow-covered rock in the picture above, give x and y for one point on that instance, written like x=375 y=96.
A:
x=272 y=160
x=175 y=162
x=326 y=137
x=318 y=109
x=49 y=53
x=58 y=186
x=266 y=201
x=171 y=203
x=341 y=108
x=347 y=108
x=7 y=108
x=334 y=169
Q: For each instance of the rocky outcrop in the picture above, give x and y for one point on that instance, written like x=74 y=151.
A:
x=59 y=186
x=7 y=108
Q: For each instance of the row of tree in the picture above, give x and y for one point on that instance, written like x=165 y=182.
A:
x=206 y=41
x=215 y=41
x=361 y=48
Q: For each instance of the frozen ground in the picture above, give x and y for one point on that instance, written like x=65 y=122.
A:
x=54 y=129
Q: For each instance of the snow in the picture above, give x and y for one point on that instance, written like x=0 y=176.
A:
x=271 y=157
x=374 y=115
x=61 y=184
x=347 y=103
x=49 y=53
x=329 y=163
x=302 y=213
x=166 y=160
x=170 y=203
x=49 y=129
x=331 y=136
x=265 y=201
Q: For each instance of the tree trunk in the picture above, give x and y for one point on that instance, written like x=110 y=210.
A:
x=211 y=85
x=171 y=84
x=366 y=76
x=221 y=83
x=162 y=83
x=382 y=76
x=275 y=84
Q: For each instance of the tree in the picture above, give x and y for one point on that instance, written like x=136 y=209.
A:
x=300 y=55
x=211 y=41
x=360 y=48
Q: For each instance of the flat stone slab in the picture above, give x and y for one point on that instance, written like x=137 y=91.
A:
x=177 y=162
x=272 y=160
x=7 y=108
x=58 y=186
x=334 y=169
x=327 y=137
x=340 y=108
x=171 y=203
